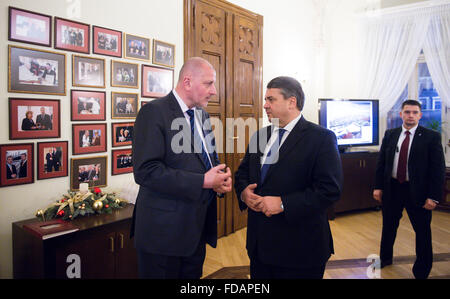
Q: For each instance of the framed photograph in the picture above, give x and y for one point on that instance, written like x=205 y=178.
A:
x=34 y=118
x=90 y=170
x=122 y=134
x=88 y=138
x=17 y=164
x=107 y=41
x=156 y=81
x=72 y=36
x=88 y=72
x=124 y=105
x=29 y=27
x=87 y=105
x=122 y=161
x=136 y=47
x=163 y=53
x=124 y=74
x=52 y=158
x=36 y=71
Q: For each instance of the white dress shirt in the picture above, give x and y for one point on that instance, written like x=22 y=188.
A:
x=274 y=137
x=185 y=108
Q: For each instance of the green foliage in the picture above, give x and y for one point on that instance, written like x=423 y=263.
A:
x=75 y=204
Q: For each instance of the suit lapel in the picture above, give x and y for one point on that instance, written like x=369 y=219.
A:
x=416 y=142
x=393 y=145
x=297 y=133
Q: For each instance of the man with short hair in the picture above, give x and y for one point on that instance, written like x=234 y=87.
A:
x=43 y=120
x=176 y=209
x=287 y=186
x=410 y=174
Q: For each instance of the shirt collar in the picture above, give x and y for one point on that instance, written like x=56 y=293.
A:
x=180 y=101
x=290 y=126
x=412 y=130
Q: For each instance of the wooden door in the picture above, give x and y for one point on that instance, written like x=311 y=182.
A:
x=230 y=38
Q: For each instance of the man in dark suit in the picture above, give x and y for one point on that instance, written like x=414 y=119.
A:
x=43 y=120
x=410 y=174
x=11 y=171
x=175 y=213
x=23 y=168
x=288 y=189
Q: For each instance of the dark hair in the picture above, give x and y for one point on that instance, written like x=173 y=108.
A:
x=412 y=103
x=289 y=87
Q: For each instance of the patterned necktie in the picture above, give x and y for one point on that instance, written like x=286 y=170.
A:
x=205 y=158
x=403 y=159
x=272 y=155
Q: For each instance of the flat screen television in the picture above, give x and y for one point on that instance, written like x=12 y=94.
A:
x=354 y=121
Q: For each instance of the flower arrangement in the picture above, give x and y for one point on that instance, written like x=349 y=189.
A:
x=76 y=204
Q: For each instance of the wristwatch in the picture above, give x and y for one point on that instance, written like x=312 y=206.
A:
x=282 y=207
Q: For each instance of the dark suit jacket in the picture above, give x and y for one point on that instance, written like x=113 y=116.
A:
x=23 y=169
x=45 y=121
x=426 y=165
x=172 y=207
x=10 y=172
x=308 y=177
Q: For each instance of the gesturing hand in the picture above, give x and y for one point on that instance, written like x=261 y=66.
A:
x=216 y=178
x=251 y=199
x=226 y=185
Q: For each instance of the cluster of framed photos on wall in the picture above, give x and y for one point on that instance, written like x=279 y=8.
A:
x=37 y=71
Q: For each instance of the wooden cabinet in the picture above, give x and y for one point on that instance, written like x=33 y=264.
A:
x=359 y=179
x=102 y=243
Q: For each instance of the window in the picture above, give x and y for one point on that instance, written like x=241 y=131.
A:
x=420 y=87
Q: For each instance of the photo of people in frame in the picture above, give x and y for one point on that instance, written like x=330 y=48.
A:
x=124 y=161
x=89 y=138
x=16 y=164
x=124 y=134
x=89 y=173
x=35 y=118
x=52 y=157
x=37 y=71
x=89 y=105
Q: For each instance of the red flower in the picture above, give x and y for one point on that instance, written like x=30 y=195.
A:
x=60 y=213
x=97 y=190
x=106 y=206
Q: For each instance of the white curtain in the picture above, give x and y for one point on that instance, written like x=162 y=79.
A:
x=392 y=44
x=437 y=52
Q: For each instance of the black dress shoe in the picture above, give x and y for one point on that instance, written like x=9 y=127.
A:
x=386 y=263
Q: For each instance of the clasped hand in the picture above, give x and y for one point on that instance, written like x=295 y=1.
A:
x=218 y=179
x=269 y=205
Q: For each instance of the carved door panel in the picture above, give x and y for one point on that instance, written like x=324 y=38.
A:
x=229 y=38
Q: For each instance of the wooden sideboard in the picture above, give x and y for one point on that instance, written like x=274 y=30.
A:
x=359 y=179
x=102 y=242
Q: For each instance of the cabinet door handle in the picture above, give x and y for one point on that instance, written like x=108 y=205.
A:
x=360 y=163
x=121 y=241
x=364 y=163
x=111 y=244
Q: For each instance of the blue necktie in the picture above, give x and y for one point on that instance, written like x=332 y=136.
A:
x=205 y=158
x=273 y=152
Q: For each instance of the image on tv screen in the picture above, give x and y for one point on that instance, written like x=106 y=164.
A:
x=352 y=122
